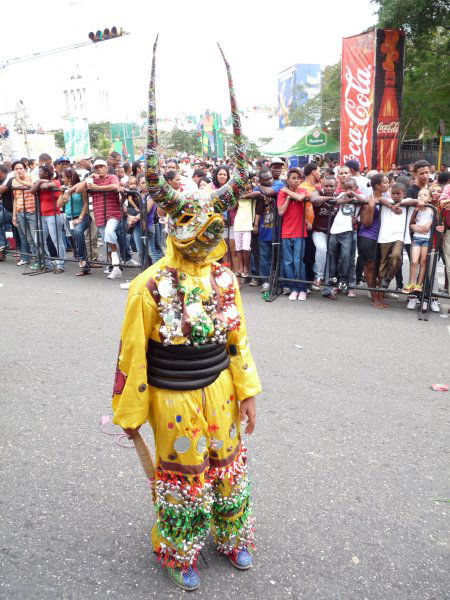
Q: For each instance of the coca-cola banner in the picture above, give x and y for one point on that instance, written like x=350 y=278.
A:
x=358 y=78
x=390 y=50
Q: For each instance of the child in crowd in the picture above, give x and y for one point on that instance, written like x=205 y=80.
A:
x=204 y=183
x=420 y=225
x=342 y=240
x=291 y=207
x=243 y=227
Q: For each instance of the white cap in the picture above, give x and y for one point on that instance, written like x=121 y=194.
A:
x=100 y=161
x=276 y=161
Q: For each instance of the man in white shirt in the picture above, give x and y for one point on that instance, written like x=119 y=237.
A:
x=362 y=182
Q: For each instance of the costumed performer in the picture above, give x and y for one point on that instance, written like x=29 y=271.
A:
x=185 y=365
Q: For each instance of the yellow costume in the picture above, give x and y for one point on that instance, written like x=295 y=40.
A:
x=185 y=365
x=197 y=433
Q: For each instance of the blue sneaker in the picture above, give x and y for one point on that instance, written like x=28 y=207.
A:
x=241 y=559
x=189 y=580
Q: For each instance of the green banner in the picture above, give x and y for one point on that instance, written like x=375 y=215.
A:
x=76 y=138
x=122 y=139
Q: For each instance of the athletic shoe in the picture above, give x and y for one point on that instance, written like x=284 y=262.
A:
x=265 y=287
x=241 y=559
x=254 y=282
x=413 y=302
x=351 y=294
x=359 y=283
x=107 y=271
x=301 y=296
x=343 y=287
x=188 y=581
x=132 y=263
x=21 y=263
x=115 y=273
x=286 y=291
x=316 y=285
x=333 y=281
x=294 y=295
x=434 y=306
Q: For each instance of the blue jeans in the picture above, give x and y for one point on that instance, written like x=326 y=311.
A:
x=53 y=225
x=342 y=250
x=154 y=253
x=124 y=246
x=265 y=258
x=78 y=236
x=5 y=219
x=294 y=268
x=26 y=224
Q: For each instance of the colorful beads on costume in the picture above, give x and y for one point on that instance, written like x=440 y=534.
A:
x=195 y=317
x=188 y=506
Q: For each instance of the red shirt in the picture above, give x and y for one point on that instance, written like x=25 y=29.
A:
x=293 y=218
x=109 y=209
x=49 y=199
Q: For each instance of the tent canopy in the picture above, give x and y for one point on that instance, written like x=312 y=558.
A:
x=299 y=141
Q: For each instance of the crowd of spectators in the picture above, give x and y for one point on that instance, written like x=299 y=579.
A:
x=339 y=227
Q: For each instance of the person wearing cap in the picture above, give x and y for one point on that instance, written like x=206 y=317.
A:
x=61 y=163
x=107 y=209
x=83 y=166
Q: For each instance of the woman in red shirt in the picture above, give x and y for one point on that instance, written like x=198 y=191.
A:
x=47 y=193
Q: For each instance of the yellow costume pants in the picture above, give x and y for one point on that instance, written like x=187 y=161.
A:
x=201 y=475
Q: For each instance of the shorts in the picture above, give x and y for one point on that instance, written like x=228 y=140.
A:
x=420 y=241
x=367 y=248
x=108 y=231
x=243 y=240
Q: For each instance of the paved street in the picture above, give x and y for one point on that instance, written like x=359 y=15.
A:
x=347 y=462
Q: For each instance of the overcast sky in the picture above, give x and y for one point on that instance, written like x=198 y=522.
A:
x=258 y=41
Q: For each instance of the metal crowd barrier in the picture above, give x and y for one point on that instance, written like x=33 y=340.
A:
x=42 y=256
x=424 y=296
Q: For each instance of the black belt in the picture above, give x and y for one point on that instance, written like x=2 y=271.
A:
x=183 y=367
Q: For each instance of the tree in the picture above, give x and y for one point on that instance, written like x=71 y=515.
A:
x=418 y=18
x=426 y=88
x=184 y=141
x=252 y=149
x=59 y=138
x=100 y=137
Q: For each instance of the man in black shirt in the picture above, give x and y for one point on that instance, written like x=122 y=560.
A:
x=421 y=171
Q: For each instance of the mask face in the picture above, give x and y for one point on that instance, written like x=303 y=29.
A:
x=198 y=227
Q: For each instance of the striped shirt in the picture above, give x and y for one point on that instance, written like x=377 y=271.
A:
x=109 y=207
x=25 y=201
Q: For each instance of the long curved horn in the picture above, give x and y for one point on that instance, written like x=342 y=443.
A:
x=229 y=194
x=161 y=192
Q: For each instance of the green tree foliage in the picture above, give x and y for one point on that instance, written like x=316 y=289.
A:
x=59 y=138
x=100 y=136
x=252 y=148
x=419 y=18
x=426 y=87
x=184 y=141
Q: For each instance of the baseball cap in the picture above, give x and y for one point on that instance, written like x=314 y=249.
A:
x=276 y=161
x=62 y=159
x=99 y=161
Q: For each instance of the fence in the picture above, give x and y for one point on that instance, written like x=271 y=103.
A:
x=415 y=150
x=429 y=287
x=42 y=235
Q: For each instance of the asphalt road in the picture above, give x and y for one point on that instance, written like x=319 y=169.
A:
x=348 y=460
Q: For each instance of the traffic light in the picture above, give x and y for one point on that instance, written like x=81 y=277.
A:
x=106 y=34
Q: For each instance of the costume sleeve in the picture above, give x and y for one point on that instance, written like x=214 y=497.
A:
x=131 y=394
x=242 y=367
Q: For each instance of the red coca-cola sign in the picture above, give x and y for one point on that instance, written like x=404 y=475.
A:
x=358 y=62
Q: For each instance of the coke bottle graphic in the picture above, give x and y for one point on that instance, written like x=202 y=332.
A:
x=388 y=124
